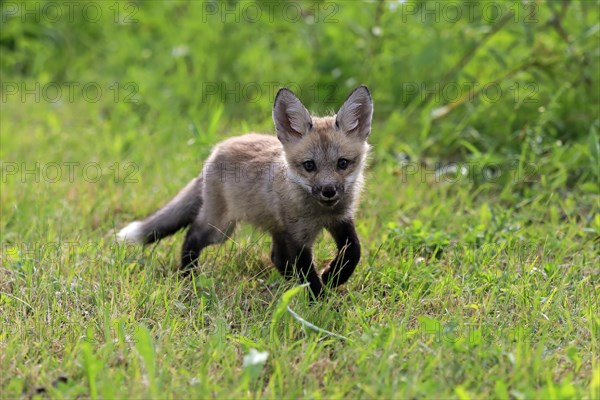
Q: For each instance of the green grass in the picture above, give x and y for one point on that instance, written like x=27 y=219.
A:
x=481 y=283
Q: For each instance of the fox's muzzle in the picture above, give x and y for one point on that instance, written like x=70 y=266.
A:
x=328 y=193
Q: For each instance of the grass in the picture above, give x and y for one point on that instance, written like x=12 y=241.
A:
x=479 y=223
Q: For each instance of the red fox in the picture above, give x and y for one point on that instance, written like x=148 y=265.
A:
x=307 y=178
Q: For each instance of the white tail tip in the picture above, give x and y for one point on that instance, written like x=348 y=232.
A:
x=132 y=233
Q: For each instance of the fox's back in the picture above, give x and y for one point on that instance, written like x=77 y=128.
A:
x=248 y=150
x=239 y=176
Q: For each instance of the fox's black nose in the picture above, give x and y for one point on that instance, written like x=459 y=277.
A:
x=328 y=191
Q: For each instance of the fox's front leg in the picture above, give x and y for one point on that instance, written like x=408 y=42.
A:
x=280 y=256
x=291 y=258
x=342 y=267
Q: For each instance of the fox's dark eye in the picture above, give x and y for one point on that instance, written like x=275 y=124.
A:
x=309 y=165
x=343 y=163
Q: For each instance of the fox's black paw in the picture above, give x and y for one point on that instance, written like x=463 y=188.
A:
x=317 y=291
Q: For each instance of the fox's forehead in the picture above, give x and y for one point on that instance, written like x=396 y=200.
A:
x=325 y=142
x=323 y=124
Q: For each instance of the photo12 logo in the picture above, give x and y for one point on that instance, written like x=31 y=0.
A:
x=517 y=171
x=68 y=171
x=459 y=92
x=251 y=92
x=54 y=92
x=48 y=12
x=467 y=11
x=270 y=10
x=73 y=330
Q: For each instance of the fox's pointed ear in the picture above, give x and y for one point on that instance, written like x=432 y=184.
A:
x=291 y=118
x=356 y=113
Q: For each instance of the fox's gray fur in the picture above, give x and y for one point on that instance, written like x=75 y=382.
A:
x=307 y=178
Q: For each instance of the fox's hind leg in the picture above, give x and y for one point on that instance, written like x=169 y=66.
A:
x=342 y=267
x=201 y=234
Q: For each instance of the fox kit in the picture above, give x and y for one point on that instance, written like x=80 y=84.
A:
x=307 y=178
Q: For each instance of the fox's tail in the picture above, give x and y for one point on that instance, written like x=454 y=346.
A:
x=175 y=215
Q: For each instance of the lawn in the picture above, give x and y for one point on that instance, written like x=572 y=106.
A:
x=479 y=223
